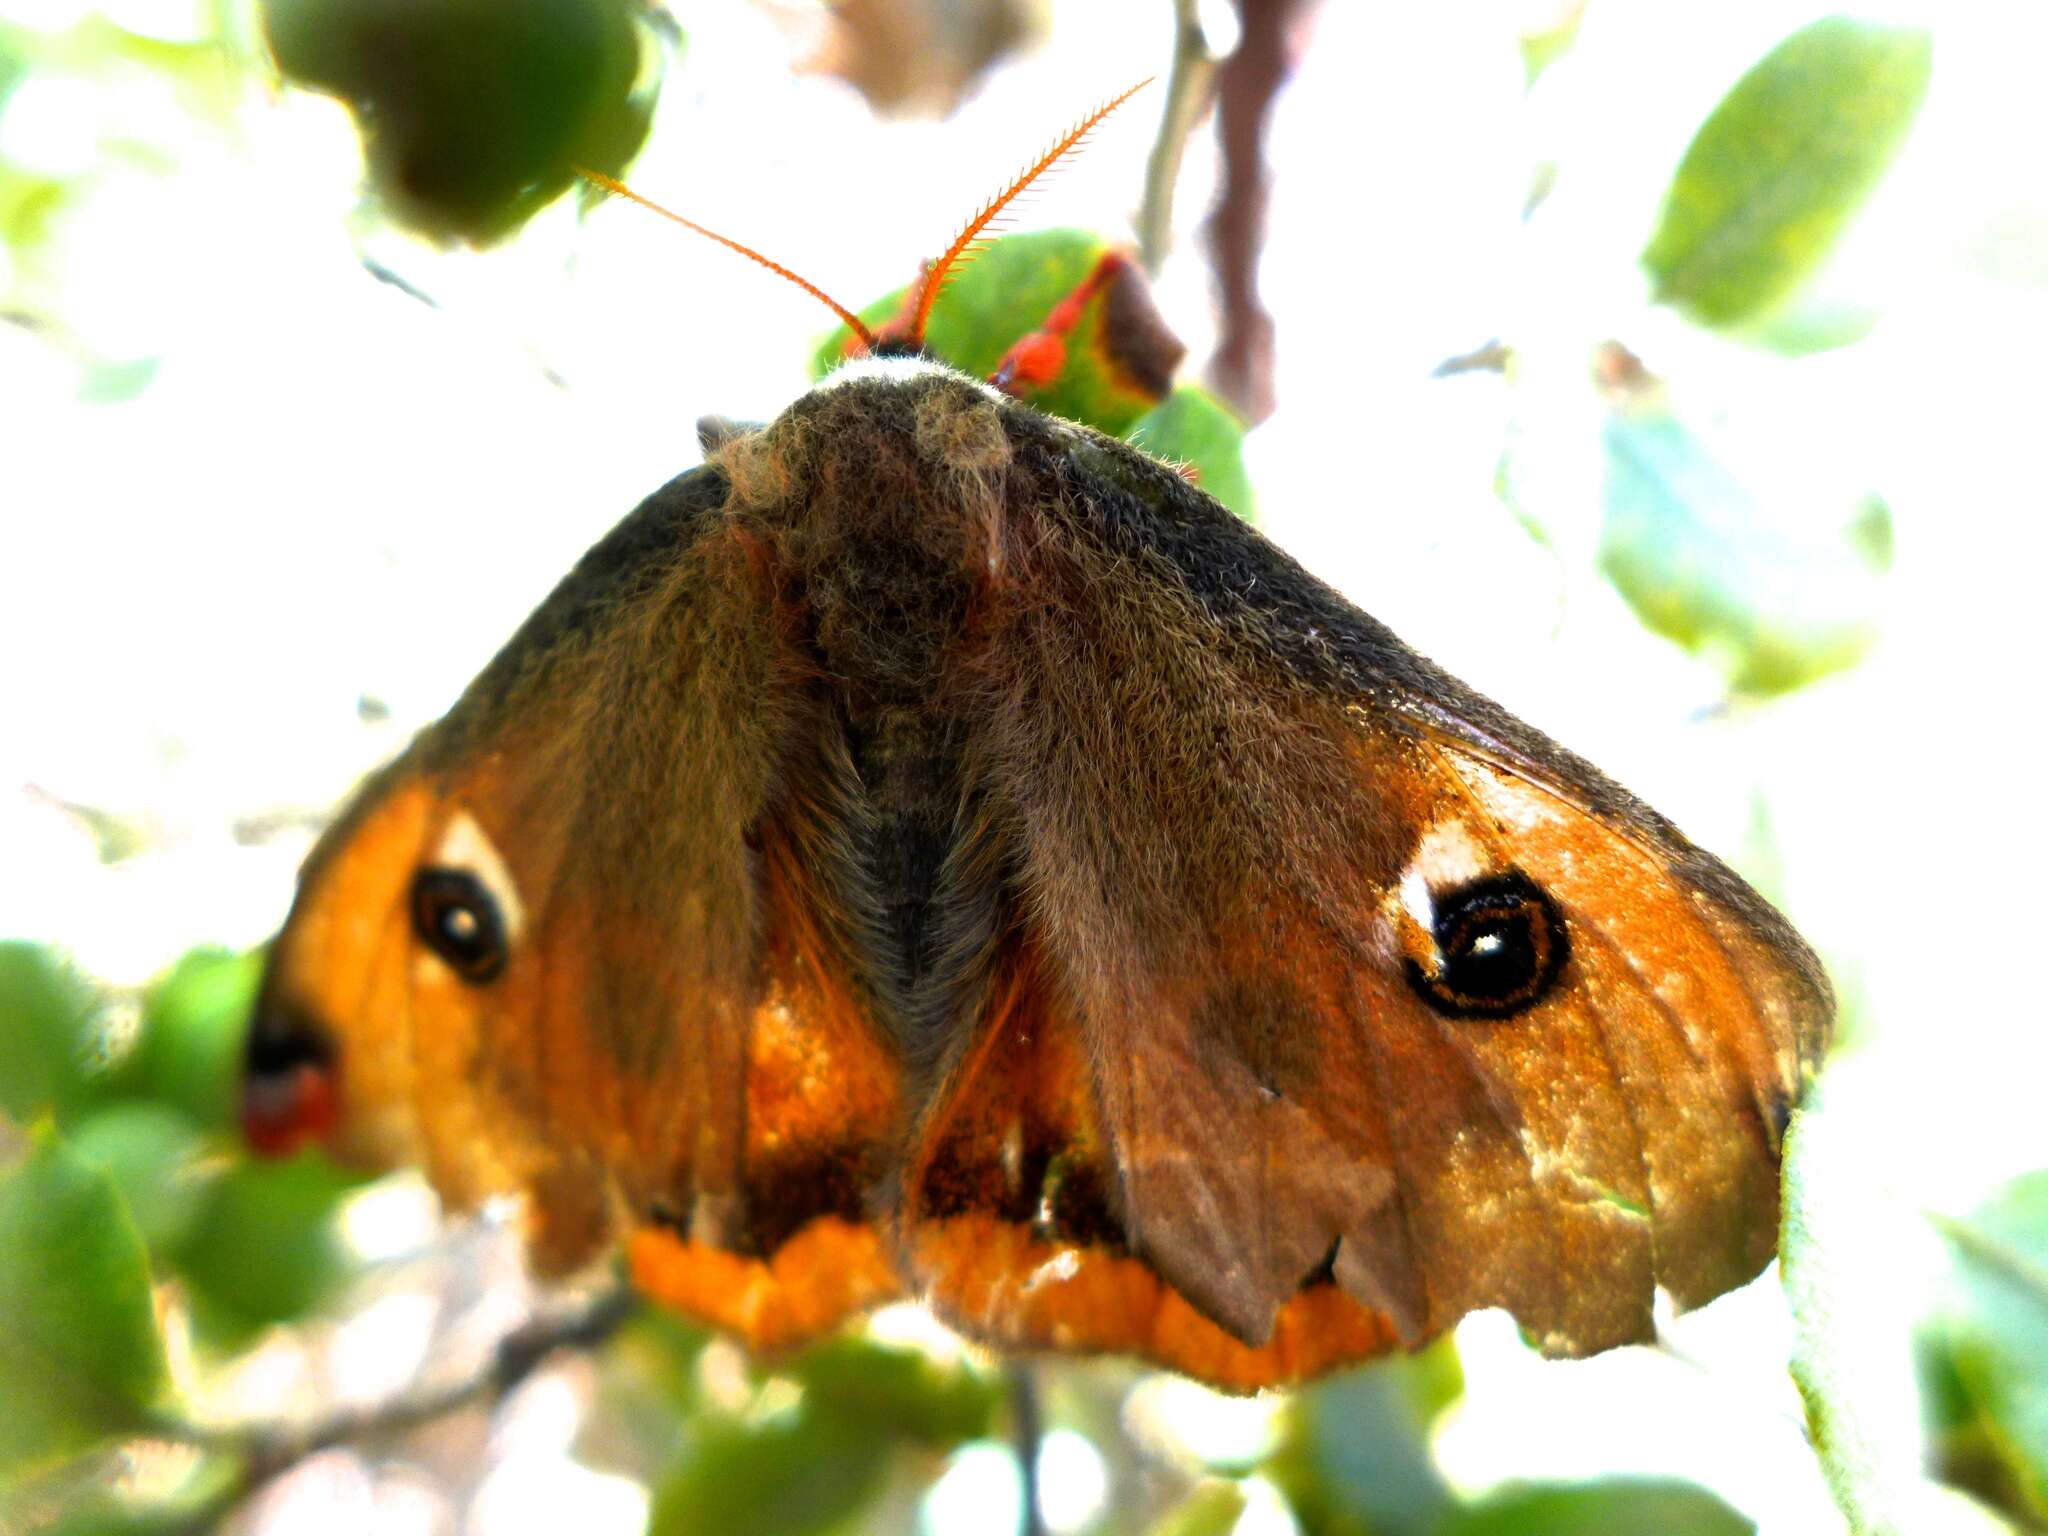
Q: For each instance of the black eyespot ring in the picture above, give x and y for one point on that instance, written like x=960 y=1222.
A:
x=1500 y=944
x=456 y=918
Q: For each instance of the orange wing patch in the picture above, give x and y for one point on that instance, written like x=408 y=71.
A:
x=824 y=1096
x=792 y=1255
x=1011 y=1227
x=1001 y=1283
x=825 y=1273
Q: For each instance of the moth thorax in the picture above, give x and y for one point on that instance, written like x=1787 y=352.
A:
x=883 y=500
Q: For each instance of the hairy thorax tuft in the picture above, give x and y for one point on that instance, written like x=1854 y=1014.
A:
x=882 y=500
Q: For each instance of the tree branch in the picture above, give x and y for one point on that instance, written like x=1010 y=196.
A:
x=1190 y=87
x=266 y=1452
x=1275 y=35
x=1027 y=1433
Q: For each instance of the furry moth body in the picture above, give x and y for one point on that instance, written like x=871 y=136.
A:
x=934 y=850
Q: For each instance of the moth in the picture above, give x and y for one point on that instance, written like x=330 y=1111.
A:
x=932 y=849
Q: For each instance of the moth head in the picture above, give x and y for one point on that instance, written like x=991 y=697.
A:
x=406 y=920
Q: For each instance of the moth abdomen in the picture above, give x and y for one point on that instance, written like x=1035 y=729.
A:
x=924 y=905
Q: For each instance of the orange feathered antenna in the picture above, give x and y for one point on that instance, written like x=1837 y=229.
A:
x=938 y=273
x=964 y=246
x=620 y=189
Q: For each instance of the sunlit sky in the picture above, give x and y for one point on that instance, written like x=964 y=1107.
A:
x=331 y=491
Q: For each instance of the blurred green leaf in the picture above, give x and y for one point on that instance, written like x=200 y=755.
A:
x=1845 y=1358
x=1617 y=1507
x=14 y=63
x=897 y=1392
x=474 y=113
x=264 y=1247
x=80 y=1355
x=805 y=1473
x=1807 y=324
x=29 y=205
x=1983 y=1351
x=1212 y=1509
x=1870 y=533
x=1356 y=1460
x=153 y=1153
x=855 y=1401
x=99 y=49
x=115 y=381
x=101 y=1515
x=1191 y=426
x=97 y=1496
x=188 y=1051
x=1548 y=35
x=997 y=297
x=1704 y=562
x=647 y=1390
x=1781 y=165
x=45 y=1033
x=1008 y=291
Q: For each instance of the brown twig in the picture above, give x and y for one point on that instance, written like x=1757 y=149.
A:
x=1027 y=1432
x=1488 y=357
x=1275 y=33
x=266 y=1452
x=1190 y=88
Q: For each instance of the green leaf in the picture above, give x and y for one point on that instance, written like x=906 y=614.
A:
x=1356 y=1460
x=117 y=381
x=29 y=209
x=102 y=1515
x=1213 y=1509
x=155 y=1155
x=264 y=1247
x=1192 y=427
x=1704 y=561
x=648 y=1391
x=80 y=1355
x=102 y=1495
x=1009 y=291
x=1982 y=1353
x=1547 y=36
x=1618 y=1507
x=14 y=63
x=188 y=1052
x=794 y=1476
x=1780 y=167
x=45 y=1033
x=897 y=1392
x=474 y=113
x=1813 y=322
x=997 y=297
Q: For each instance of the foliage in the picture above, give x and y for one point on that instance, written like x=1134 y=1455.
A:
x=1705 y=560
x=1725 y=553
x=1782 y=165
x=1009 y=289
x=79 y=1358
x=1624 y=1507
x=1982 y=1347
x=476 y=113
